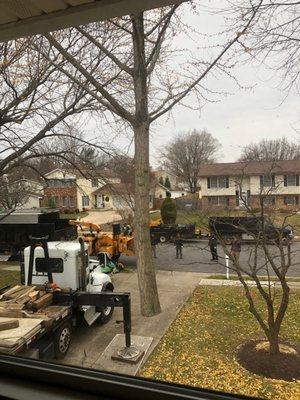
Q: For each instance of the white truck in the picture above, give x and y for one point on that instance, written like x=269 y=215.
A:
x=80 y=294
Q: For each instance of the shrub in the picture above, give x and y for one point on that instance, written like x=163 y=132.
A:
x=51 y=202
x=168 y=210
x=167 y=183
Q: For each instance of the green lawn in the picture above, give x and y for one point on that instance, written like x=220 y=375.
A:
x=9 y=278
x=82 y=214
x=248 y=278
x=200 y=346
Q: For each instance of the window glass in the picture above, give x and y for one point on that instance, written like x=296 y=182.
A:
x=222 y=182
x=267 y=180
x=290 y=200
x=85 y=201
x=56 y=265
x=213 y=182
x=291 y=180
x=95 y=182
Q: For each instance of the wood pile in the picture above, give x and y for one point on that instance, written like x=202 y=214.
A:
x=24 y=311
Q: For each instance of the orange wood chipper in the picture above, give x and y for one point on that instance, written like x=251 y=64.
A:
x=114 y=243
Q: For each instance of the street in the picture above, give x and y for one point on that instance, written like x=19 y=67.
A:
x=196 y=258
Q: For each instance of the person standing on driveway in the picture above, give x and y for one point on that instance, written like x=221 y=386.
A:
x=236 y=249
x=153 y=245
x=179 y=244
x=213 y=242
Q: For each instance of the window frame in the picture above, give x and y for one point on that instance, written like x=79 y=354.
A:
x=85 y=201
x=59 y=270
x=22 y=377
x=214 y=182
x=271 y=181
x=95 y=182
x=218 y=202
x=294 y=197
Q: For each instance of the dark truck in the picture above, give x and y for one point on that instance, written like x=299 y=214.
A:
x=248 y=229
x=165 y=232
x=16 y=229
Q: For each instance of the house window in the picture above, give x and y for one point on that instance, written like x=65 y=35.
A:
x=212 y=182
x=222 y=182
x=291 y=180
x=269 y=201
x=218 y=201
x=72 y=203
x=95 y=183
x=85 y=201
x=291 y=200
x=267 y=180
x=65 y=201
x=218 y=182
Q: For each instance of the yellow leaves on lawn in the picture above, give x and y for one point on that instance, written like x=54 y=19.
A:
x=200 y=346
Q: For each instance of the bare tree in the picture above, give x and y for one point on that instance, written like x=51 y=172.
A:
x=185 y=155
x=138 y=86
x=273 y=37
x=16 y=193
x=36 y=99
x=269 y=259
x=271 y=150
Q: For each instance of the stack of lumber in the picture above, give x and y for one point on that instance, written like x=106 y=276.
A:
x=19 y=298
x=12 y=339
x=24 y=311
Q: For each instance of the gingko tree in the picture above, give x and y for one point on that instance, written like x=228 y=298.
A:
x=140 y=83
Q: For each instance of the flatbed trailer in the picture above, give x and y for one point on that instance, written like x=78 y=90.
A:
x=88 y=298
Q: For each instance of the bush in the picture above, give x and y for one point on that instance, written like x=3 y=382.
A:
x=51 y=202
x=167 y=183
x=168 y=210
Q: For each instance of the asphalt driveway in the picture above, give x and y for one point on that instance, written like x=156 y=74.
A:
x=197 y=258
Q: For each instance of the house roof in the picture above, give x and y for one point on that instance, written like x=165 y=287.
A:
x=20 y=18
x=251 y=168
x=89 y=173
x=160 y=171
x=115 y=188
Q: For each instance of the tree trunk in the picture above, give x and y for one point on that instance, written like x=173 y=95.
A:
x=274 y=343
x=145 y=266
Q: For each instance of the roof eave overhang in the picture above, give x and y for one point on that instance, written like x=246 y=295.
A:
x=78 y=15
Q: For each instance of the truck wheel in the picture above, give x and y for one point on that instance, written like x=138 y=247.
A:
x=106 y=313
x=162 y=239
x=62 y=340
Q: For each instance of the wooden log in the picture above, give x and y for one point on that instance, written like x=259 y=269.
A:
x=34 y=295
x=10 y=324
x=9 y=293
x=25 y=296
x=43 y=301
x=11 y=313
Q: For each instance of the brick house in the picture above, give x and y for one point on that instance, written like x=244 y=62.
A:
x=235 y=185
x=66 y=189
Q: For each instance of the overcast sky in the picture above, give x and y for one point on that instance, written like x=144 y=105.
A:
x=245 y=116
x=248 y=115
